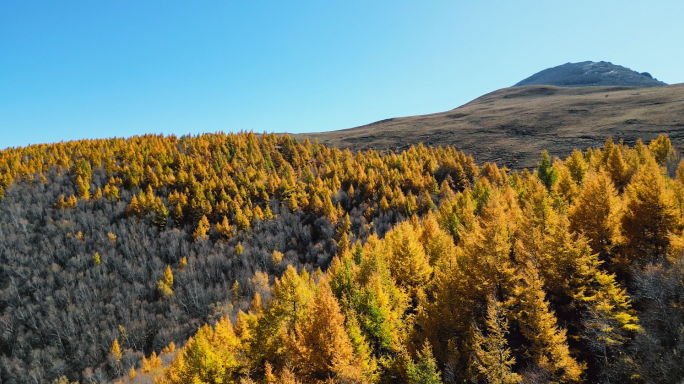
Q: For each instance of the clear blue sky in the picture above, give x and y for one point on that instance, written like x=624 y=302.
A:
x=86 y=69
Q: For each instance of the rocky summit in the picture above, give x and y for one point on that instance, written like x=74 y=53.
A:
x=589 y=73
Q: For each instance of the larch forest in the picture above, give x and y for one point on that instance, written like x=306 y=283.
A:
x=245 y=258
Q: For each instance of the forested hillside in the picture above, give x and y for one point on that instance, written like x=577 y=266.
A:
x=88 y=229
x=311 y=264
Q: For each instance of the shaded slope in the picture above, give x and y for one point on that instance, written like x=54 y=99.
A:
x=589 y=73
x=512 y=126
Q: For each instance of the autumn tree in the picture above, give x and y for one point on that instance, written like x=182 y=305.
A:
x=363 y=283
x=115 y=358
x=661 y=148
x=548 y=344
x=596 y=213
x=202 y=229
x=292 y=295
x=493 y=359
x=224 y=228
x=166 y=283
x=577 y=166
x=213 y=355
x=616 y=167
x=650 y=215
x=480 y=266
x=408 y=262
x=319 y=345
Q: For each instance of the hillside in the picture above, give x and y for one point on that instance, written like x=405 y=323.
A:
x=512 y=126
x=267 y=260
x=588 y=74
x=146 y=239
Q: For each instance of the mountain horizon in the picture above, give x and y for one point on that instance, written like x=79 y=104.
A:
x=591 y=74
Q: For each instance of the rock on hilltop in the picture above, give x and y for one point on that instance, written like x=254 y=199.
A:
x=589 y=73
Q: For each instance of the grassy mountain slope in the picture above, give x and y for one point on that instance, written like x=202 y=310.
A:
x=512 y=126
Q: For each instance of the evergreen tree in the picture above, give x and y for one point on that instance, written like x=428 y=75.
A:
x=577 y=166
x=424 y=371
x=546 y=173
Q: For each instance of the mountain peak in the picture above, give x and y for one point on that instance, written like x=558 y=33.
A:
x=590 y=73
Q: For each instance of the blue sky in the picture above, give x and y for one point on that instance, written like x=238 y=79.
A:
x=92 y=69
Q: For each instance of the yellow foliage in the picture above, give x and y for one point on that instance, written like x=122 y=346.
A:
x=168 y=276
x=616 y=167
x=661 y=148
x=171 y=348
x=224 y=228
x=549 y=348
x=235 y=289
x=276 y=258
x=63 y=380
x=319 y=346
x=650 y=214
x=493 y=358
x=202 y=228
x=83 y=187
x=501 y=233
x=151 y=364
x=577 y=166
x=115 y=350
x=241 y=220
x=164 y=289
x=596 y=213
x=268 y=214
x=60 y=204
x=408 y=261
x=213 y=355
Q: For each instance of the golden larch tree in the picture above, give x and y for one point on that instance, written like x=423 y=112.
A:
x=493 y=359
x=548 y=344
x=320 y=347
x=650 y=214
x=596 y=213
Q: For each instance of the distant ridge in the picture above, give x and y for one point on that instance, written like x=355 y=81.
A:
x=589 y=73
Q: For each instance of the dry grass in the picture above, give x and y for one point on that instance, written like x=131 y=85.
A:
x=512 y=126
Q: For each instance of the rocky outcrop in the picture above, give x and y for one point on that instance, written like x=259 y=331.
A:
x=589 y=73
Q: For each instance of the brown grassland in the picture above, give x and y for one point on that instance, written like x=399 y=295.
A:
x=512 y=126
